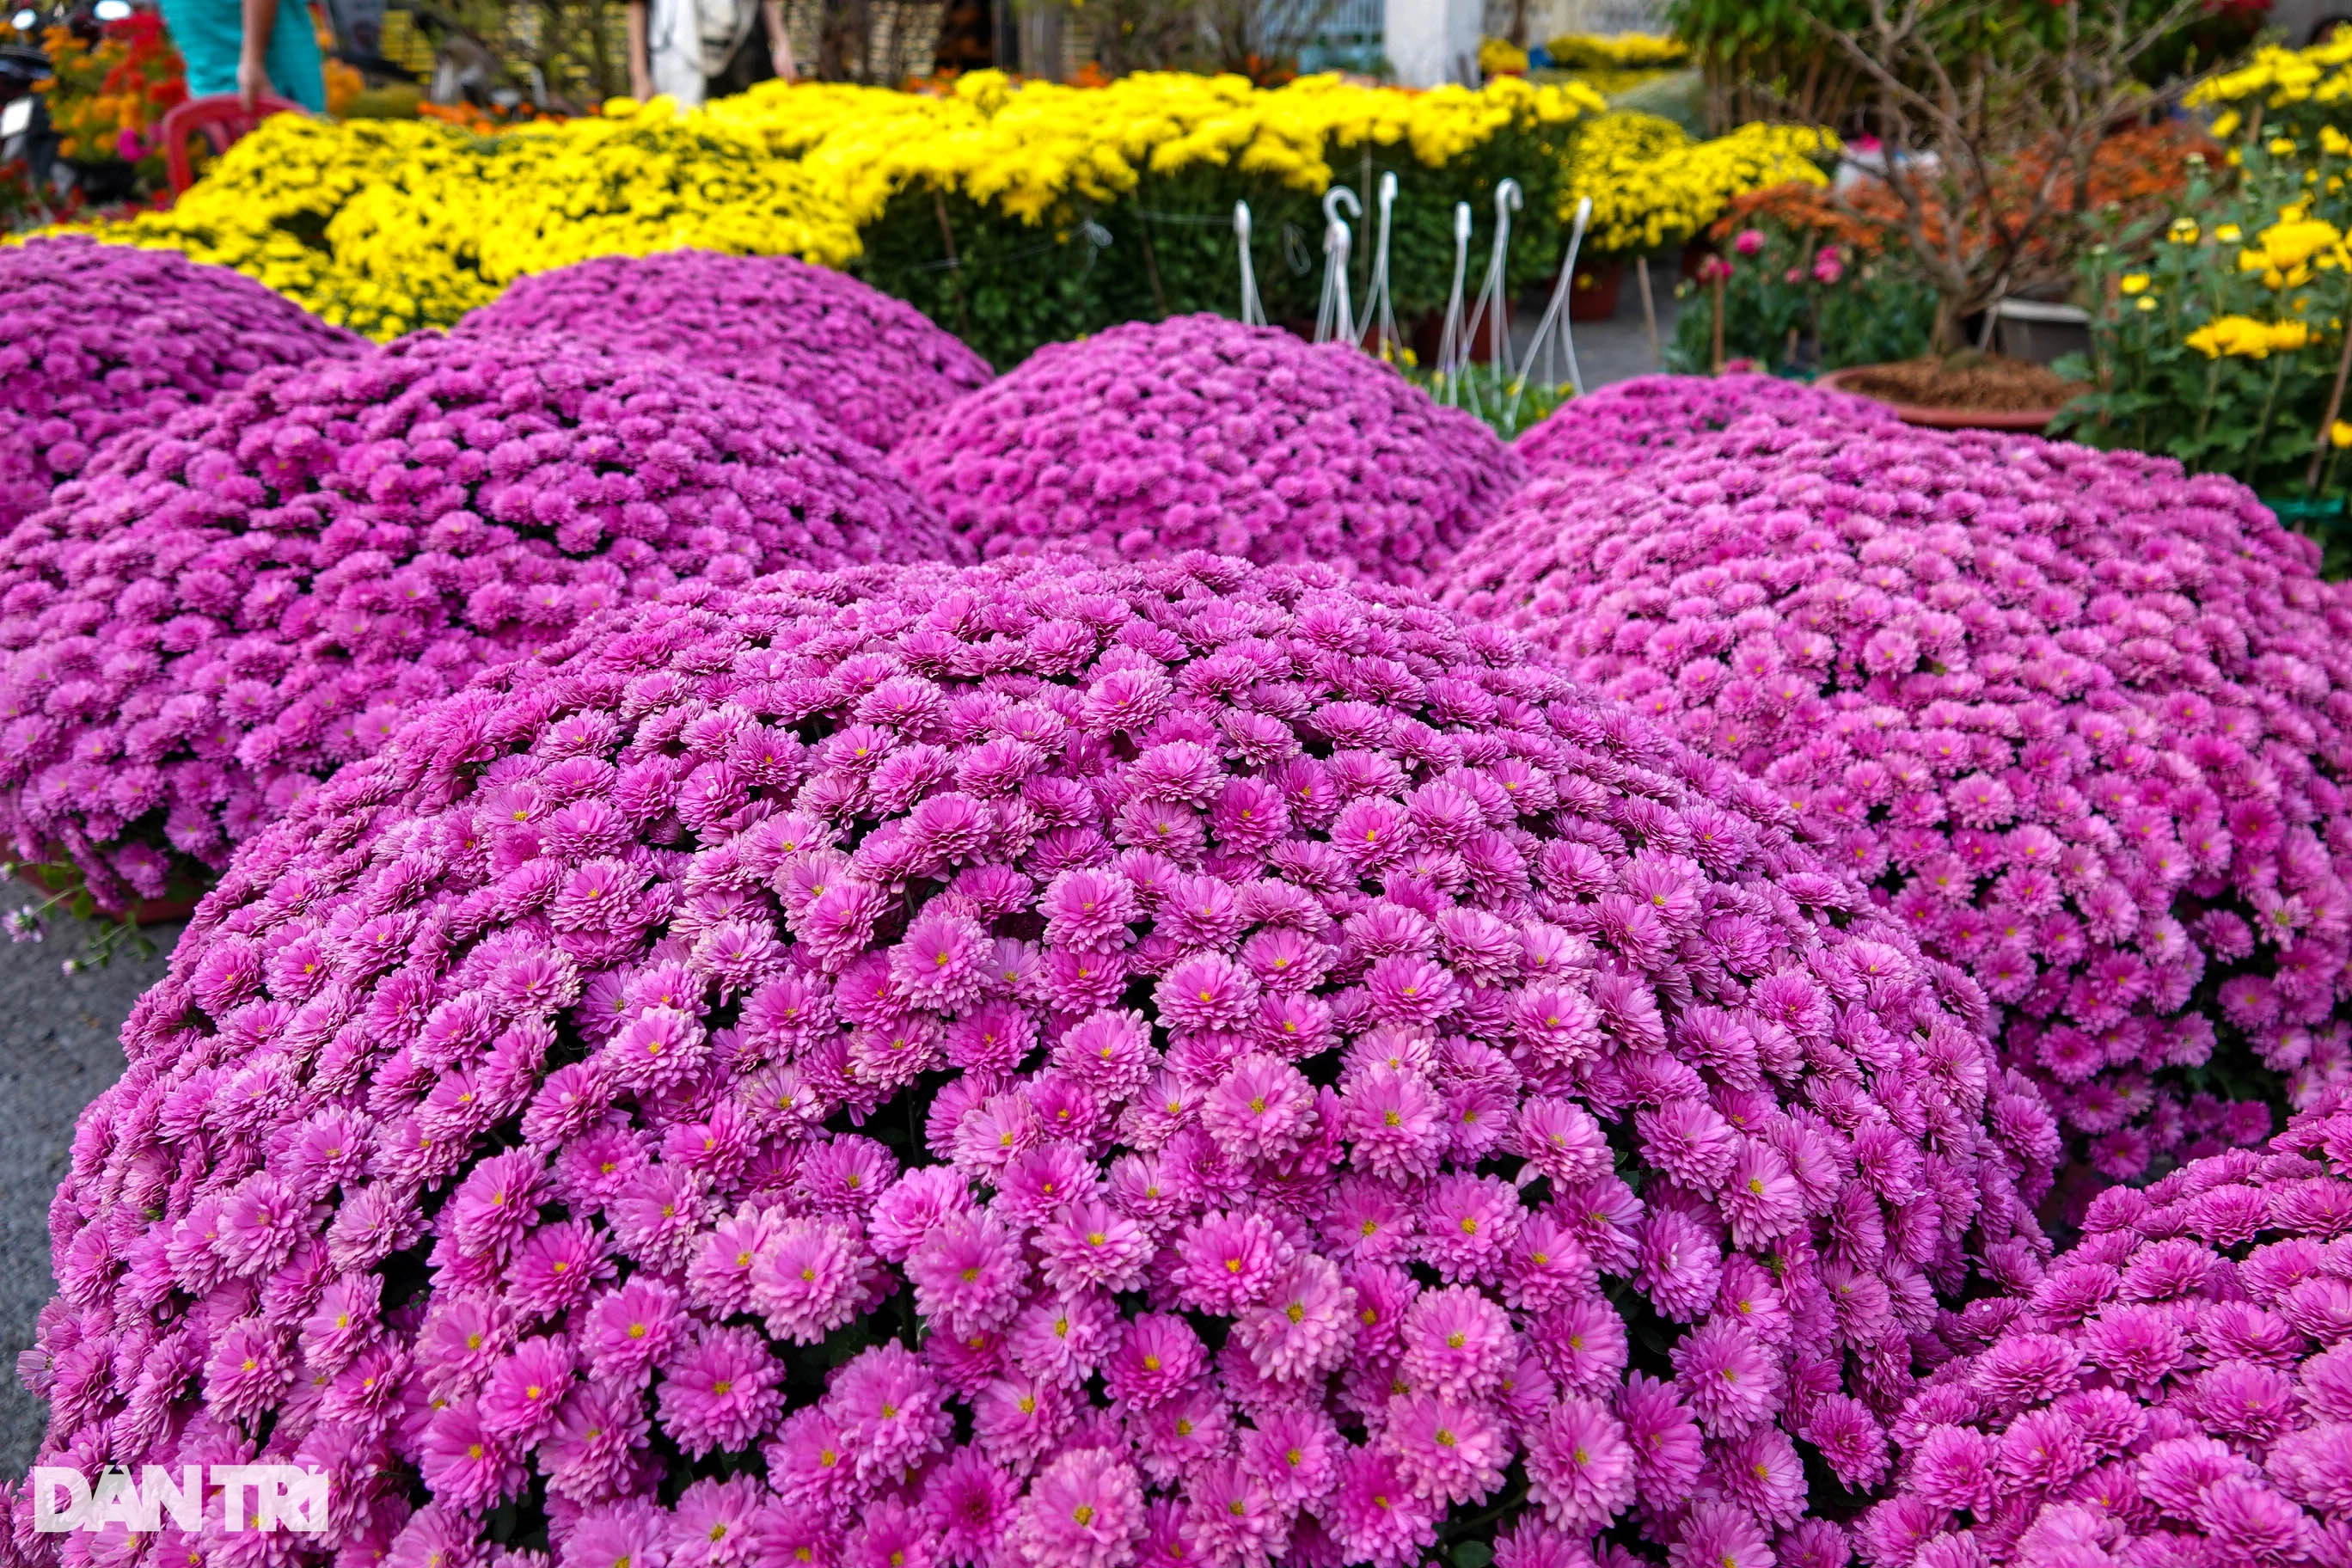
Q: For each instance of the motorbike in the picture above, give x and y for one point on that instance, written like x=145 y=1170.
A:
x=25 y=133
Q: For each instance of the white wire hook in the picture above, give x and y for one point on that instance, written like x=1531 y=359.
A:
x=1449 y=342
x=1494 y=294
x=1554 y=317
x=1335 y=317
x=1253 y=308
x=1380 y=315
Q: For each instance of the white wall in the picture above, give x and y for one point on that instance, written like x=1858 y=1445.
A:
x=2296 y=19
x=1550 y=18
x=1432 y=42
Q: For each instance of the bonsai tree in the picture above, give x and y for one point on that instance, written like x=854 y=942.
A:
x=1991 y=117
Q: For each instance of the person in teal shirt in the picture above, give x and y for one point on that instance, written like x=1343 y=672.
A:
x=248 y=47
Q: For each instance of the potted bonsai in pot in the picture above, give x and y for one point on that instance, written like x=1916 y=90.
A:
x=2003 y=135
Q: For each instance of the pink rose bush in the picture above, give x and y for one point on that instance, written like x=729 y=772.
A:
x=869 y=363
x=2077 y=719
x=1198 y=433
x=1031 y=1066
x=99 y=338
x=1622 y=426
x=217 y=615
x=2175 y=1390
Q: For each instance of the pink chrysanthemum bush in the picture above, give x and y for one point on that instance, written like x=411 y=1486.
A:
x=103 y=338
x=867 y=363
x=1029 y=1066
x=1198 y=433
x=2077 y=718
x=2174 y=1391
x=1629 y=423
x=217 y=616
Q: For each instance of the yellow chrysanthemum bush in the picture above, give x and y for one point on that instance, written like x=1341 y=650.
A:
x=1614 y=65
x=1500 y=56
x=1619 y=51
x=1652 y=185
x=1013 y=214
x=2292 y=91
x=2219 y=344
x=388 y=225
x=1022 y=214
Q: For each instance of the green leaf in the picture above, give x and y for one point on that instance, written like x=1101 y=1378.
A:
x=1473 y=1555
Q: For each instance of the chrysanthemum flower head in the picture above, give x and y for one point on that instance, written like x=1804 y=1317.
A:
x=103 y=339
x=1198 y=433
x=2136 y=1419
x=215 y=616
x=767 y=1033
x=2072 y=717
x=862 y=360
x=1627 y=424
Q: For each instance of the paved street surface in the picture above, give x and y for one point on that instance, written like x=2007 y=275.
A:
x=1617 y=349
x=57 y=1049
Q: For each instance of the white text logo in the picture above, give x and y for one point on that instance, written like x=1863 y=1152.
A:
x=241 y=1497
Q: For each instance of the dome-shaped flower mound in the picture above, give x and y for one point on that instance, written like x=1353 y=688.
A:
x=1199 y=433
x=1630 y=423
x=101 y=338
x=2175 y=1389
x=219 y=615
x=2079 y=718
x=1030 y=1064
x=868 y=362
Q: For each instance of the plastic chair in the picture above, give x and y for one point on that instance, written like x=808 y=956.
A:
x=223 y=118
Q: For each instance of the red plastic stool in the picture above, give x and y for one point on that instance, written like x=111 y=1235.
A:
x=223 y=118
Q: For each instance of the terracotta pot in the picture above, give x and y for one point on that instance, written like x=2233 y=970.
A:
x=1592 y=292
x=148 y=911
x=1428 y=335
x=2019 y=421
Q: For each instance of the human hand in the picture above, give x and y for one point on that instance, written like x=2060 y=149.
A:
x=252 y=80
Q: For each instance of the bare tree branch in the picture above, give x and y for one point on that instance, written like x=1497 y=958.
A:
x=1991 y=136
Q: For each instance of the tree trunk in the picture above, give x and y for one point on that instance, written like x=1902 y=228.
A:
x=1948 y=337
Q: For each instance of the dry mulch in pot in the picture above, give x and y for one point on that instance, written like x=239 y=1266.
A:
x=1993 y=383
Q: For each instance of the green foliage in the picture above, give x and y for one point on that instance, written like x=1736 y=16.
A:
x=2173 y=310
x=1864 y=312
x=1003 y=286
x=61 y=880
x=1722 y=28
x=1168 y=248
x=1507 y=408
x=1725 y=27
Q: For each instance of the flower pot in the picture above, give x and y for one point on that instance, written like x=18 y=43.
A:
x=2306 y=514
x=1428 y=335
x=2022 y=421
x=2038 y=331
x=1592 y=292
x=106 y=182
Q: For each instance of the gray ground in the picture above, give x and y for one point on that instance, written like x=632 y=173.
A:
x=1619 y=348
x=58 y=1032
x=57 y=1049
